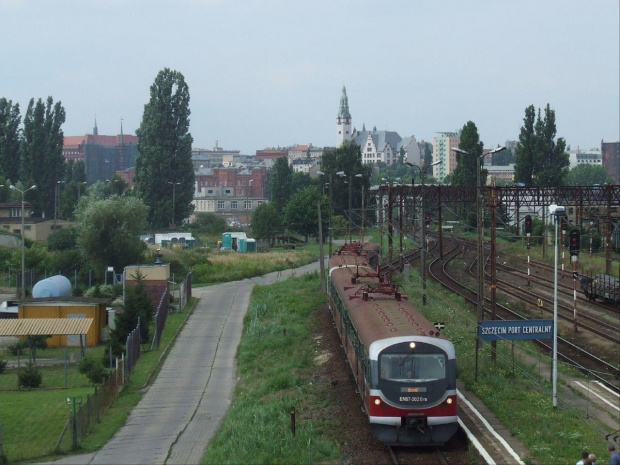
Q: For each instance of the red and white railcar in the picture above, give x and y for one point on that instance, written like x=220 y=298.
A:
x=405 y=370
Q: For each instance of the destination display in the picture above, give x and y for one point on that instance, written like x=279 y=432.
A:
x=518 y=329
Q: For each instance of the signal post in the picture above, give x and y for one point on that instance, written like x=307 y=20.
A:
x=574 y=244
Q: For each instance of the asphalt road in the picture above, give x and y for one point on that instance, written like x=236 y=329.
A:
x=183 y=407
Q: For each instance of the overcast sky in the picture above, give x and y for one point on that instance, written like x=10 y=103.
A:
x=267 y=73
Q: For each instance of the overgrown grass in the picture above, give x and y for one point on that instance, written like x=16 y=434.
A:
x=32 y=421
x=275 y=364
x=233 y=266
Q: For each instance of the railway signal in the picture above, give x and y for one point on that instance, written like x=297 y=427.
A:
x=528 y=225
x=574 y=242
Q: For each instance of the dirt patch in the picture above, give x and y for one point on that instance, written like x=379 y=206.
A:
x=345 y=413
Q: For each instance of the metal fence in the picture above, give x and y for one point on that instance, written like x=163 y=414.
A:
x=185 y=293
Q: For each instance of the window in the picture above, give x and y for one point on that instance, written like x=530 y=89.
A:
x=248 y=205
x=233 y=205
x=220 y=205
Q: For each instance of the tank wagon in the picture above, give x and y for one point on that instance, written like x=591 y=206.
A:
x=601 y=286
x=404 y=369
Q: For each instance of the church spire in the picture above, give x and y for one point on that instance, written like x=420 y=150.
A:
x=343 y=113
x=344 y=119
x=95 y=131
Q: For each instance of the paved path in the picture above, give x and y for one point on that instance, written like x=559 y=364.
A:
x=177 y=417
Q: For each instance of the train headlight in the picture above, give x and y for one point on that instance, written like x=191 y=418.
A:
x=377 y=401
x=412 y=345
x=449 y=400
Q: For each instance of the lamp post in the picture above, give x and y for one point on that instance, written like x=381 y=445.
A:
x=22 y=192
x=58 y=183
x=79 y=188
x=423 y=223
x=555 y=210
x=479 y=259
x=174 y=185
x=351 y=202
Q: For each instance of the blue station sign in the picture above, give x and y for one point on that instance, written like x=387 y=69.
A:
x=493 y=330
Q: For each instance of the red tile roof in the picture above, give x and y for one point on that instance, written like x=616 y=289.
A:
x=103 y=140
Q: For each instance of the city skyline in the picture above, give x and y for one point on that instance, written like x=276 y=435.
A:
x=270 y=73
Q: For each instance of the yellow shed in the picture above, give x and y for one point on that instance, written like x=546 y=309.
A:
x=68 y=307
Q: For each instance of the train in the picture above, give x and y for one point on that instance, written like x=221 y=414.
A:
x=404 y=369
x=601 y=286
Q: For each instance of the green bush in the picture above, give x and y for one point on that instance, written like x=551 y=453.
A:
x=86 y=364
x=17 y=348
x=94 y=371
x=2 y=366
x=30 y=377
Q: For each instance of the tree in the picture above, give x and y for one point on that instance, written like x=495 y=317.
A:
x=347 y=158
x=525 y=156
x=10 y=134
x=210 y=224
x=138 y=305
x=280 y=184
x=109 y=230
x=301 y=212
x=588 y=175
x=42 y=160
x=553 y=158
x=266 y=222
x=466 y=171
x=164 y=177
x=540 y=160
x=299 y=181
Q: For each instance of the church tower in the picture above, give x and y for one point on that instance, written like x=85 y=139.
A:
x=344 y=119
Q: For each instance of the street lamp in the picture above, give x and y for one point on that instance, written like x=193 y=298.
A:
x=480 y=307
x=423 y=223
x=174 y=185
x=58 y=183
x=556 y=211
x=79 y=188
x=22 y=192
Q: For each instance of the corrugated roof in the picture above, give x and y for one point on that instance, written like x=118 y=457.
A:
x=44 y=326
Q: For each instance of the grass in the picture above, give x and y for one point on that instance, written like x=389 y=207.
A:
x=33 y=420
x=277 y=328
x=233 y=266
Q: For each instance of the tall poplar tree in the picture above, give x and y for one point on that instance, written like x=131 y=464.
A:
x=540 y=159
x=553 y=160
x=42 y=160
x=526 y=148
x=280 y=184
x=10 y=133
x=164 y=177
x=465 y=174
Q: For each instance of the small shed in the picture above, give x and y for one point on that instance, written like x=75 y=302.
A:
x=231 y=240
x=68 y=308
x=155 y=278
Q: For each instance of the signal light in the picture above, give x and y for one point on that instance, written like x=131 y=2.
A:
x=427 y=219
x=528 y=224
x=564 y=224
x=574 y=242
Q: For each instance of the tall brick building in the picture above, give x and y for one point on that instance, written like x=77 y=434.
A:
x=102 y=155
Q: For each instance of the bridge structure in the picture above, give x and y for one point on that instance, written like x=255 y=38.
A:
x=399 y=206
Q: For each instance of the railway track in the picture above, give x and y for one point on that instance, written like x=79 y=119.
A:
x=427 y=455
x=538 y=299
x=438 y=270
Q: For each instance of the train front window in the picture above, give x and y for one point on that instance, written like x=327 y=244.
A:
x=412 y=367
